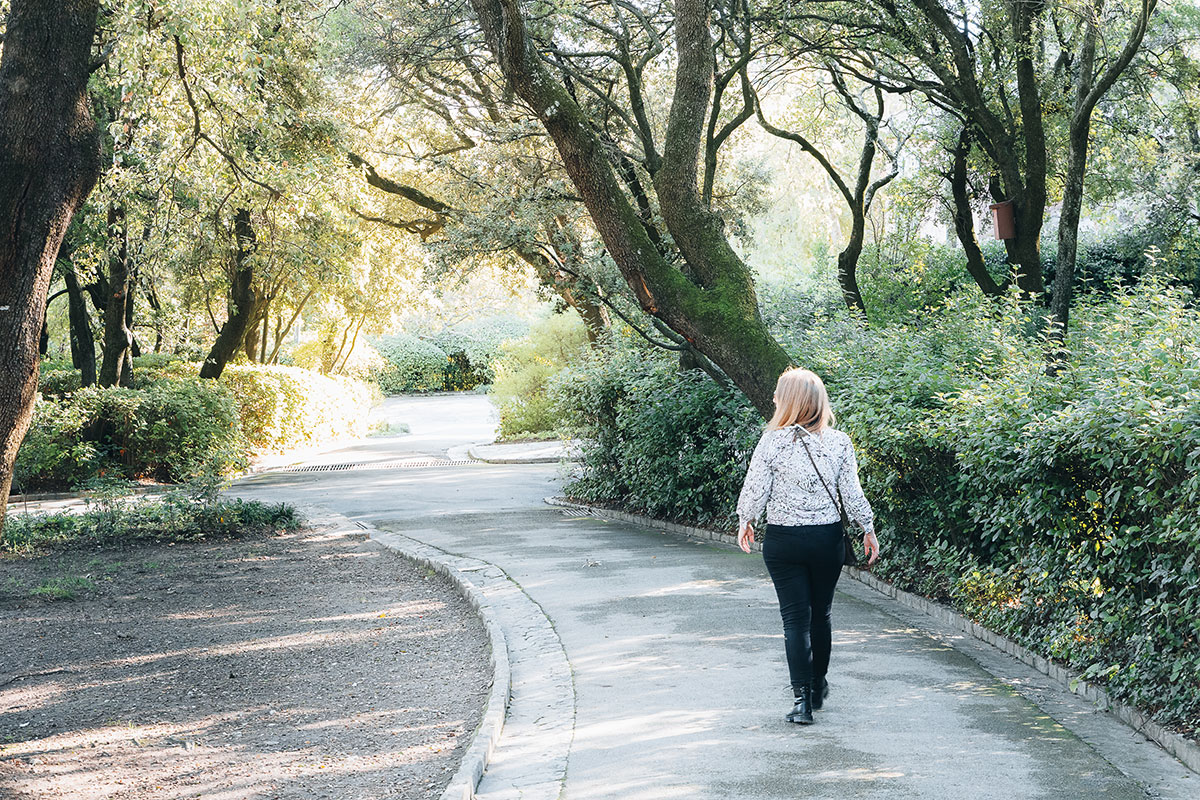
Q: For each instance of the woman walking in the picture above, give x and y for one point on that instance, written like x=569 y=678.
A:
x=801 y=471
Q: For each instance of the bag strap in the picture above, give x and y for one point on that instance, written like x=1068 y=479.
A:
x=800 y=436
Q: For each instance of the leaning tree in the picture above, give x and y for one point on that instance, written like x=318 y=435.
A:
x=49 y=161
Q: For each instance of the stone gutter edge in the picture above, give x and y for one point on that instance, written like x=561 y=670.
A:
x=1185 y=750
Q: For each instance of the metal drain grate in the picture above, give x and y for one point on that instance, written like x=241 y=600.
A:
x=418 y=463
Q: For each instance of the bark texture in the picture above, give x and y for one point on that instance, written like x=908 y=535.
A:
x=716 y=309
x=964 y=220
x=49 y=162
x=83 y=344
x=116 y=368
x=241 y=298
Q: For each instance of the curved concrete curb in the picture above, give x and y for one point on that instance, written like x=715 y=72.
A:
x=474 y=454
x=483 y=742
x=1185 y=750
x=520 y=452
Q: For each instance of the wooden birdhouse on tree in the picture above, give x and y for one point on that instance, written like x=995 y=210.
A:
x=1004 y=224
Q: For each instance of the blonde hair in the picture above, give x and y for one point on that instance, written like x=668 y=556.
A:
x=801 y=399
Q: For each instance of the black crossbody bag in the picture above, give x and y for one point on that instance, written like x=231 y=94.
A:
x=849 y=553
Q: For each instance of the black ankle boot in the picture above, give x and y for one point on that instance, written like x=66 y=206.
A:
x=820 y=691
x=801 y=712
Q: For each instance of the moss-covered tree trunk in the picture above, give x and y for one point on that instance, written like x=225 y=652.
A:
x=1089 y=88
x=49 y=162
x=716 y=309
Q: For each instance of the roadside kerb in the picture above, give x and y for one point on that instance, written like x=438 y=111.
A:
x=1187 y=752
x=483 y=742
x=523 y=452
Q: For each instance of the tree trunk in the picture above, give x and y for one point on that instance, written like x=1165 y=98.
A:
x=49 y=162
x=266 y=329
x=135 y=349
x=718 y=312
x=1089 y=88
x=964 y=220
x=279 y=335
x=250 y=342
x=848 y=264
x=83 y=345
x=116 y=367
x=241 y=298
x=44 y=337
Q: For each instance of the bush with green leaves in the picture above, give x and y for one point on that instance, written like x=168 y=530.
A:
x=523 y=372
x=56 y=378
x=282 y=408
x=172 y=430
x=473 y=346
x=656 y=441
x=1058 y=510
x=411 y=364
x=174 y=426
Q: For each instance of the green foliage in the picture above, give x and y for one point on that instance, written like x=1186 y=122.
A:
x=56 y=378
x=655 y=440
x=472 y=347
x=175 y=427
x=410 y=364
x=282 y=408
x=179 y=516
x=172 y=430
x=524 y=371
x=904 y=273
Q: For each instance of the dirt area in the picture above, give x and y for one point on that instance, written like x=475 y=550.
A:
x=310 y=665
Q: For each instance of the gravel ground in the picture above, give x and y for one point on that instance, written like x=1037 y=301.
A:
x=311 y=665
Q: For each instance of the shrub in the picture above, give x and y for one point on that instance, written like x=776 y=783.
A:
x=410 y=364
x=54 y=453
x=281 y=408
x=56 y=378
x=177 y=428
x=173 y=430
x=474 y=346
x=525 y=368
x=657 y=441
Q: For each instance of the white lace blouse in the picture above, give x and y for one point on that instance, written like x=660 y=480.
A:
x=781 y=480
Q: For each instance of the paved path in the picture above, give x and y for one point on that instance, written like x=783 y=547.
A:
x=676 y=653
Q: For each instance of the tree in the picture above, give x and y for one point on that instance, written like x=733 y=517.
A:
x=859 y=194
x=49 y=162
x=708 y=296
x=1095 y=73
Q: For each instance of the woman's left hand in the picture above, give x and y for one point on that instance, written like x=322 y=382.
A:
x=745 y=537
x=871 y=547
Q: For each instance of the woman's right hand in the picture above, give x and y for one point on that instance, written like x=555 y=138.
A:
x=745 y=536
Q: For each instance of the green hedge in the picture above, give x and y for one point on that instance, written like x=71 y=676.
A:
x=411 y=364
x=658 y=442
x=173 y=426
x=453 y=359
x=282 y=408
x=171 y=431
x=1059 y=511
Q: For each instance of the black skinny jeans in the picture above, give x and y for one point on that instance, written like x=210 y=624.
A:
x=804 y=562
